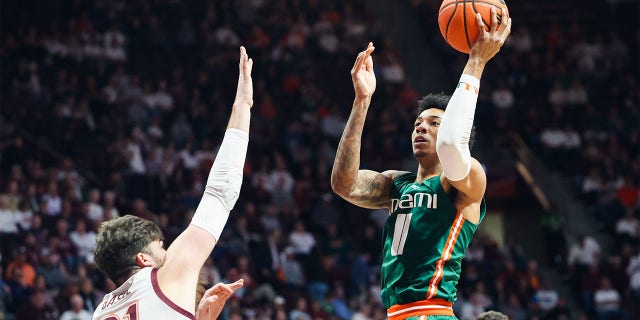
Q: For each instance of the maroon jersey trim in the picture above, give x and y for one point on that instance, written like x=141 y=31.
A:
x=156 y=288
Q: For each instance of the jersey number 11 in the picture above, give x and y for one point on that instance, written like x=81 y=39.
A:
x=403 y=221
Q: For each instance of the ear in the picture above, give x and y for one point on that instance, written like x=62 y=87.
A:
x=144 y=260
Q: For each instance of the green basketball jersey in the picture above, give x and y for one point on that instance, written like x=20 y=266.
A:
x=425 y=239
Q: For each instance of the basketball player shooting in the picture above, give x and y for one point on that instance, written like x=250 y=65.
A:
x=434 y=212
x=155 y=283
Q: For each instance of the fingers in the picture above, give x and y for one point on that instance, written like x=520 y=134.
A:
x=246 y=64
x=218 y=288
x=504 y=21
x=481 y=25
x=494 y=18
x=502 y=27
x=368 y=52
x=369 y=64
x=236 y=285
x=364 y=59
x=212 y=299
x=358 y=64
x=248 y=67
x=243 y=56
x=224 y=289
x=369 y=61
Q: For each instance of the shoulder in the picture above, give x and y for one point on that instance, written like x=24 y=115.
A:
x=393 y=174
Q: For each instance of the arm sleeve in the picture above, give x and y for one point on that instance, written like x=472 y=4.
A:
x=223 y=183
x=452 y=142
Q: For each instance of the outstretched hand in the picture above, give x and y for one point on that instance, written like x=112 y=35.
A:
x=213 y=301
x=362 y=75
x=244 y=95
x=492 y=37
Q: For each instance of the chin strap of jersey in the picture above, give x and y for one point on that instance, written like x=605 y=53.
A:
x=452 y=143
x=223 y=184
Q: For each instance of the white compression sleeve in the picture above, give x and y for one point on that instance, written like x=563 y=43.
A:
x=452 y=143
x=223 y=184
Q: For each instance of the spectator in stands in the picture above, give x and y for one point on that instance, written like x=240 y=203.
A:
x=37 y=308
x=84 y=240
x=291 y=269
x=585 y=251
x=546 y=298
x=513 y=309
x=76 y=312
x=628 y=227
x=26 y=273
x=50 y=267
x=300 y=311
x=607 y=301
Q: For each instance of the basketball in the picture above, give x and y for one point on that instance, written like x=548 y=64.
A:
x=457 y=20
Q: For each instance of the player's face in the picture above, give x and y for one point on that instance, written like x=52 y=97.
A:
x=425 y=131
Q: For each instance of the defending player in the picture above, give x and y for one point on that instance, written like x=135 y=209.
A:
x=155 y=283
x=434 y=212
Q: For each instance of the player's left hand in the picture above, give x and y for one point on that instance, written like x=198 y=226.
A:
x=214 y=299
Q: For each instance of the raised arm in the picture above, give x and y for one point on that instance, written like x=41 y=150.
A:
x=459 y=169
x=178 y=277
x=363 y=188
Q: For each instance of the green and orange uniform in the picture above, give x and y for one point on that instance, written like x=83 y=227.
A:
x=425 y=239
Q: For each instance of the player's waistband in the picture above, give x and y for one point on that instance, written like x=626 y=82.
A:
x=429 y=307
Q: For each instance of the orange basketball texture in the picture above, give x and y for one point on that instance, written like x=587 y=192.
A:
x=457 y=20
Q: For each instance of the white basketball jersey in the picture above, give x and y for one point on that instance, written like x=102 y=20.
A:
x=140 y=298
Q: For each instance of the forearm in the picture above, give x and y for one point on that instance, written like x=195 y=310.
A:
x=347 y=161
x=455 y=130
x=225 y=179
x=240 y=117
x=474 y=67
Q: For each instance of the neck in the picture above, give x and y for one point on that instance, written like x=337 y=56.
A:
x=428 y=169
x=122 y=279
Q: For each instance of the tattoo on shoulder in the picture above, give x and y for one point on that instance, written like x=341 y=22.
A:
x=371 y=189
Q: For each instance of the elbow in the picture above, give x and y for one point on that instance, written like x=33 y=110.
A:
x=455 y=161
x=338 y=186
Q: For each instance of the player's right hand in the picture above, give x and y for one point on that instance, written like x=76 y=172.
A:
x=211 y=304
x=362 y=75
x=244 y=94
x=489 y=42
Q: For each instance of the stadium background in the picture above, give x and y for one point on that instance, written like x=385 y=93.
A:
x=115 y=107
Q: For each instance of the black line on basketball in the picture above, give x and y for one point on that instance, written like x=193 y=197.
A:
x=488 y=24
x=464 y=16
x=446 y=31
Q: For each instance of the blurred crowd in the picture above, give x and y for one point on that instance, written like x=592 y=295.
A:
x=117 y=107
x=571 y=90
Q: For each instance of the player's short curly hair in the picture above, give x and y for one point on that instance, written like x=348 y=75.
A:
x=492 y=315
x=119 y=241
x=433 y=100
x=440 y=101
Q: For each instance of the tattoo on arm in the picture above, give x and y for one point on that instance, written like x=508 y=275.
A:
x=364 y=188
x=372 y=189
x=347 y=161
